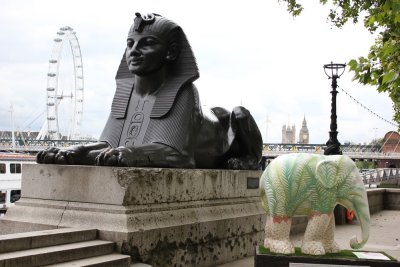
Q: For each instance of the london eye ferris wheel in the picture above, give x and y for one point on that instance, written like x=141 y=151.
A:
x=65 y=88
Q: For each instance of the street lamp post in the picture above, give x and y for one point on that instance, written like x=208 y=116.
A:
x=333 y=71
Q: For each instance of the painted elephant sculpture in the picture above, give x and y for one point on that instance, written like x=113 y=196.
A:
x=311 y=184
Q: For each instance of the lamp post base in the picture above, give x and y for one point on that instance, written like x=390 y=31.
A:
x=333 y=145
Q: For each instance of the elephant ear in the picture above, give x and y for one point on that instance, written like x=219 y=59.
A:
x=326 y=172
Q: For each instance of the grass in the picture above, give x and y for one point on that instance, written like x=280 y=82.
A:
x=348 y=254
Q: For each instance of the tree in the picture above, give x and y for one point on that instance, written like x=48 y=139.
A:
x=377 y=144
x=381 y=67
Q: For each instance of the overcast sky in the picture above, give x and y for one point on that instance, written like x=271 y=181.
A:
x=250 y=53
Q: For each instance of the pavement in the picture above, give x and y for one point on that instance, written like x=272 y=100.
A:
x=384 y=236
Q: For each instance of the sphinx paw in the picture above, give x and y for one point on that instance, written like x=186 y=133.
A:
x=235 y=164
x=243 y=163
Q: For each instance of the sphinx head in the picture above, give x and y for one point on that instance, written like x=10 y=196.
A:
x=151 y=44
x=155 y=42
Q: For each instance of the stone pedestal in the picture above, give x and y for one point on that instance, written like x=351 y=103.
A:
x=165 y=217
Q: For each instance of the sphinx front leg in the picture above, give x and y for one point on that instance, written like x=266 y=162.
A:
x=314 y=235
x=277 y=232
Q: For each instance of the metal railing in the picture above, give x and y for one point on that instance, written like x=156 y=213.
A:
x=38 y=145
x=353 y=151
x=376 y=176
x=271 y=150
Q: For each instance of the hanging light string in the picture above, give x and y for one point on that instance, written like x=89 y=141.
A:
x=369 y=110
x=376 y=115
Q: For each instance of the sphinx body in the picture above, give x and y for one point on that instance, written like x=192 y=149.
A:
x=156 y=118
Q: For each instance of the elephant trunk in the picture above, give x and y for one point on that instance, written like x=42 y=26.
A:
x=361 y=209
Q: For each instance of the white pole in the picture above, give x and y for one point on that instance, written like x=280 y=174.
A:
x=12 y=128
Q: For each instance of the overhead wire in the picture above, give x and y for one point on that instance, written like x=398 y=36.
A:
x=376 y=115
x=368 y=109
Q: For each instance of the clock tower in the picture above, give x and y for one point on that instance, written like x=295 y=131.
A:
x=304 y=137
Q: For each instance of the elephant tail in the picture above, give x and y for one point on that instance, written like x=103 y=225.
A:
x=364 y=222
x=355 y=244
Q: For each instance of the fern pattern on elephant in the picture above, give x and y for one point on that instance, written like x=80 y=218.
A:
x=311 y=184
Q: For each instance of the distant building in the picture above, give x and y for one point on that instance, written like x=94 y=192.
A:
x=391 y=144
x=288 y=134
x=304 y=136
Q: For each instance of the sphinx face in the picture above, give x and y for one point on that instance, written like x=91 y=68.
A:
x=145 y=54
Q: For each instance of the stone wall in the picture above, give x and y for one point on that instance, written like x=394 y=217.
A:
x=375 y=199
x=383 y=199
x=391 y=199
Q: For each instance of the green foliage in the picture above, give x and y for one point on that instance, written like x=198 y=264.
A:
x=381 y=67
x=378 y=142
x=365 y=164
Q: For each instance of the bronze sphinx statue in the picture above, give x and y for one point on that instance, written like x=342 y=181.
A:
x=156 y=118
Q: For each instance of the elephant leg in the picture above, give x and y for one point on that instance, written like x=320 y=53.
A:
x=268 y=232
x=328 y=240
x=314 y=234
x=277 y=232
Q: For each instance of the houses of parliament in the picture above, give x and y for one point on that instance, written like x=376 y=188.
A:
x=289 y=134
